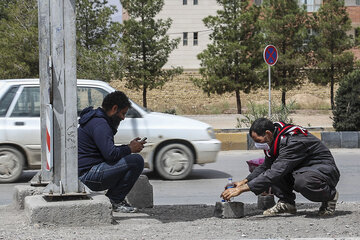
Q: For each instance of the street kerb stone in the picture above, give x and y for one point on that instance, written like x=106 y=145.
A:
x=331 y=139
x=141 y=195
x=95 y=210
x=229 y=210
x=349 y=139
x=22 y=191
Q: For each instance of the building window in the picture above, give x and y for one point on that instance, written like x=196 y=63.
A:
x=196 y=2
x=185 y=39
x=357 y=2
x=196 y=38
x=311 y=5
x=184 y=2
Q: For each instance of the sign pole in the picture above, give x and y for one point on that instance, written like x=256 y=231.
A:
x=270 y=58
x=269 y=70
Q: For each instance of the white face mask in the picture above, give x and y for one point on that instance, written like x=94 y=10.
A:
x=263 y=146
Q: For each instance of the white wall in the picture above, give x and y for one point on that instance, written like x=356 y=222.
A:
x=188 y=18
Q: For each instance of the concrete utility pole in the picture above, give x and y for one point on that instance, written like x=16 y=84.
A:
x=57 y=40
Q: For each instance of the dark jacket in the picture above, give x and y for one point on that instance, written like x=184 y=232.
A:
x=297 y=153
x=96 y=140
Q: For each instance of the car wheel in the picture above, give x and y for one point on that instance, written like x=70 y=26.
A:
x=174 y=161
x=11 y=164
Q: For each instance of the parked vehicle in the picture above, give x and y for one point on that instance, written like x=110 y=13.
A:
x=174 y=143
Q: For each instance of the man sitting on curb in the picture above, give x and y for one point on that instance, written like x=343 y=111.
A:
x=102 y=164
x=294 y=160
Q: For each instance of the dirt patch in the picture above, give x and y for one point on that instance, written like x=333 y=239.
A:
x=184 y=97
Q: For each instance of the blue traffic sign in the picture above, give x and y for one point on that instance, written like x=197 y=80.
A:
x=270 y=55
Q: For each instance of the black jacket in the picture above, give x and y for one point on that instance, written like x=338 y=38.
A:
x=297 y=153
x=96 y=140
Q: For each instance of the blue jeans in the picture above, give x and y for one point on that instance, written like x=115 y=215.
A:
x=117 y=178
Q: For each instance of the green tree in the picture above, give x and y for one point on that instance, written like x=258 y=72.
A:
x=97 y=39
x=347 y=110
x=331 y=60
x=146 y=47
x=283 y=26
x=19 y=39
x=4 y=5
x=357 y=36
x=230 y=63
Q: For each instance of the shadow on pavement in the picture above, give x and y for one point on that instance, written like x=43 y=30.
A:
x=170 y=213
x=26 y=176
x=194 y=175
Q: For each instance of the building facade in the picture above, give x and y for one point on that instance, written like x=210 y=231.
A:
x=188 y=15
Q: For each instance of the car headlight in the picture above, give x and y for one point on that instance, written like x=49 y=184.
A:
x=211 y=132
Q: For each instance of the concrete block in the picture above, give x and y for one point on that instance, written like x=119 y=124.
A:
x=265 y=201
x=93 y=211
x=141 y=195
x=22 y=191
x=331 y=139
x=349 y=139
x=229 y=210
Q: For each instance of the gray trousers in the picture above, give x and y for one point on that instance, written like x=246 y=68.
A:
x=310 y=184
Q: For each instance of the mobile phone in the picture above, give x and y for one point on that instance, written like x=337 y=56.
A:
x=143 y=139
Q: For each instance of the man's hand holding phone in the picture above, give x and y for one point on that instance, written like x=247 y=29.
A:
x=137 y=144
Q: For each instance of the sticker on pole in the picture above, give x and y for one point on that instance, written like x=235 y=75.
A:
x=270 y=55
x=49 y=137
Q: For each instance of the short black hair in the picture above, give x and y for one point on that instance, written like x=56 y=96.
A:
x=260 y=126
x=115 y=98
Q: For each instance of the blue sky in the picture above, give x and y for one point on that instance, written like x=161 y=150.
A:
x=117 y=16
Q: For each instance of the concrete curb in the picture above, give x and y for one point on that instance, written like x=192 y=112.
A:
x=236 y=139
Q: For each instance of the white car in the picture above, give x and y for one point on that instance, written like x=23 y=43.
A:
x=174 y=143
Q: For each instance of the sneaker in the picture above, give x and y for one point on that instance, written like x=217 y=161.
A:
x=280 y=207
x=328 y=208
x=123 y=207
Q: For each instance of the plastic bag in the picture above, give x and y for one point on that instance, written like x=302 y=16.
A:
x=254 y=163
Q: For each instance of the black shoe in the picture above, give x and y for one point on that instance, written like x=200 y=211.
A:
x=328 y=208
x=123 y=207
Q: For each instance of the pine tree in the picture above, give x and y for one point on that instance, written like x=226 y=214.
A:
x=283 y=26
x=347 y=109
x=331 y=60
x=146 y=47
x=230 y=63
x=19 y=39
x=97 y=38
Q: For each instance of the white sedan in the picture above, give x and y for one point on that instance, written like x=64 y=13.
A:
x=174 y=143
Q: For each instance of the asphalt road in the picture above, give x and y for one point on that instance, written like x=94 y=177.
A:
x=205 y=183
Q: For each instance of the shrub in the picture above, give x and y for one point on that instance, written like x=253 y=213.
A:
x=278 y=113
x=347 y=109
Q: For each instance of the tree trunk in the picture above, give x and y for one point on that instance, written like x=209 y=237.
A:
x=144 y=97
x=332 y=88
x=332 y=94
x=283 y=98
x=238 y=101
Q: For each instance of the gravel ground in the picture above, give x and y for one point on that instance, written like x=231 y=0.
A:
x=194 y=222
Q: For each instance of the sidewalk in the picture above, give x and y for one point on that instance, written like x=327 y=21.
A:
x=233 y=138
x=194 y=222
x=229 y=121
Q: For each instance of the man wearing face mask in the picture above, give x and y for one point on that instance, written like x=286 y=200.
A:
x=294 y=160
x=102 y=164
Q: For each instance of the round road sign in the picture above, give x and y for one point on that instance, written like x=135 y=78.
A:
x=270 y=55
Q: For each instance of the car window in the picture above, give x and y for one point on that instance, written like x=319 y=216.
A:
x=28 y=104
x=6 y=100
x=89 y=96
x=132 y=113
